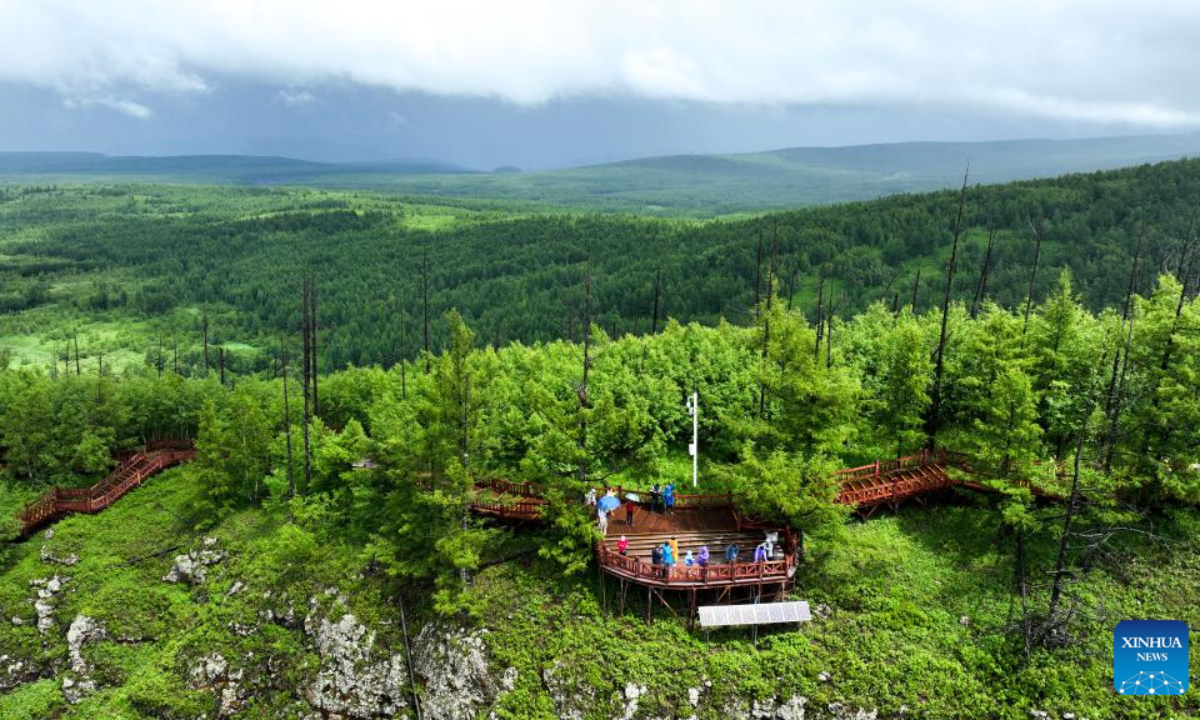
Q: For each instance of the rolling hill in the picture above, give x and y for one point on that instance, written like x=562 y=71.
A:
x=682 y=185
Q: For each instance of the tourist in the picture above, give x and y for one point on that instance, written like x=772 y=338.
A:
x=603 y=521
x=668 y=560
x=760 y=552
x=731 y=553
x=630 y=507
x=702 y=556
x=688 y=559
x=669 y=499
x=674 y=546
x=590 y=498
x=655 y=494
x=622 y=545
x=656 y=559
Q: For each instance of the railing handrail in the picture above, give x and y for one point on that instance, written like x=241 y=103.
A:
x=680 y=573
x=129 y=474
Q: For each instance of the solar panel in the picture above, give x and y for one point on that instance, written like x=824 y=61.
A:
x=760 y=614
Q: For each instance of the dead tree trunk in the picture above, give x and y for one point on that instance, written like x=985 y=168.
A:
x=820 y=315
x=425 y=299
x=312 y=328
x=75 y=339
x=981 y=288
x=403 y=349
x=935 y=406
x=287 y=420
x=766 y=318
x=916 y=291
x=1112 y=399
x=657 y=292
x=1037 y=256
x=758 y=275
x=792 y=284
x=206 y=365
x=582 y=391
x=306 y=362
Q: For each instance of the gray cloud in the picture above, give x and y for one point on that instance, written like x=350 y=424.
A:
x=1090 y=61
x=295 y=98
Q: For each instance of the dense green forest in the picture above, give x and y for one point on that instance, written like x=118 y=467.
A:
x=137 y=269
x=1098 y=407
x=1080 y=382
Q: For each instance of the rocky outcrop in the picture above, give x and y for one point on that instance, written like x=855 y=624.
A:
x=77 y=682
x=213 y=673
x=795 y=707
x=50 y=558
x=453 y=666
x=354 y=680
x=572 y=698
x=47 y=600
x=192 y=568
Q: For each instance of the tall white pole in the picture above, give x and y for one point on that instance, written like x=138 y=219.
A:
x=694 y=450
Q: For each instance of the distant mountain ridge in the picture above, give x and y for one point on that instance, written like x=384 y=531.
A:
x=249 y=167
x=694 y=185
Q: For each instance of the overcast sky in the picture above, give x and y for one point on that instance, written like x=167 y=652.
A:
x=550 y=83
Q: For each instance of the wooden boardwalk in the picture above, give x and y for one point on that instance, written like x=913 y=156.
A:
x=151 y=459
x=891 y=482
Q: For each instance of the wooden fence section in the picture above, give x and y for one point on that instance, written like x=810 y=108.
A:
x=684 y=577
x=893 y=481
x=133 y=471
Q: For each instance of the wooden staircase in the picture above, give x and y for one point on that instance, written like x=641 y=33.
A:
x=57 y=502
x=894 y=481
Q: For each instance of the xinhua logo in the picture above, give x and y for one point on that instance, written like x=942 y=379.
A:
x=1150 y=657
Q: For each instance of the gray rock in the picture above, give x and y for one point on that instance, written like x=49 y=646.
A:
x=78 y=683
x=354 y=680
x=47 y=599
x=49 y=557
x=454 y=666
x=192 y=568
x=212 y=672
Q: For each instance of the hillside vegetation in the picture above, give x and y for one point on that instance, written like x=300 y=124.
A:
x=137 y=268
x=925 y=614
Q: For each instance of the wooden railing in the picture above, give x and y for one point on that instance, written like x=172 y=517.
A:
x=519 y=510
x=637 y=569
x=509 y=487
x=56 y=501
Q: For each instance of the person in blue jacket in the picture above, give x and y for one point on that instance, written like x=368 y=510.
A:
x=668 y=559
x=669 y=498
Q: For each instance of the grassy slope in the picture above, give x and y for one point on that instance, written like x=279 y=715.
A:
x=898 y=587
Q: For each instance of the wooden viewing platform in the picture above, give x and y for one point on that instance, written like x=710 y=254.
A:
x=698 y=521
x=56 y=502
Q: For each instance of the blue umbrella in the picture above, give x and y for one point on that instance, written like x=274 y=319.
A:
x=608 y=503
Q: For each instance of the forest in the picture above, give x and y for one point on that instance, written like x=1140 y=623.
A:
x=138 y=271
x=454 y=344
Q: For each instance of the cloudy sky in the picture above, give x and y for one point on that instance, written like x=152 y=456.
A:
x=541 y=83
